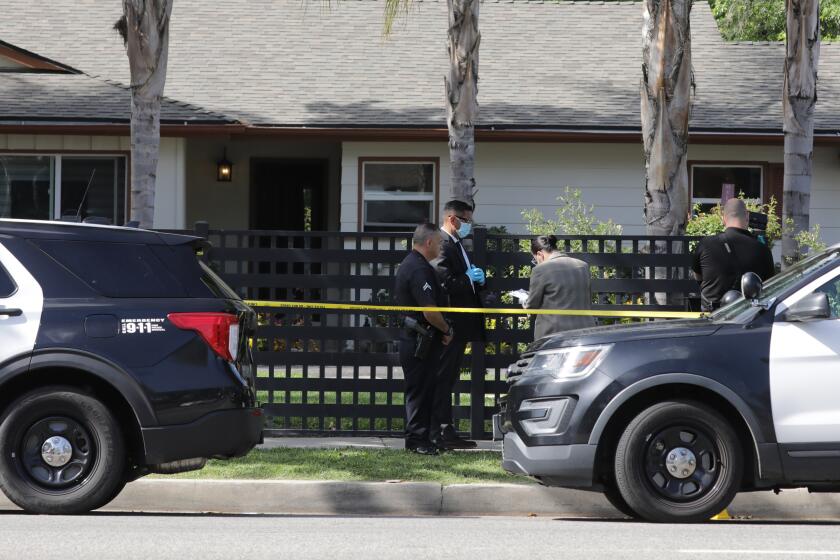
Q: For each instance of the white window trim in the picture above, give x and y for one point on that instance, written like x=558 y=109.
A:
x=56 y=165
x=699 y=200
x=429 y=197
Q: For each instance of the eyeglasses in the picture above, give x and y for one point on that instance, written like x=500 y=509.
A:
x=463 y=219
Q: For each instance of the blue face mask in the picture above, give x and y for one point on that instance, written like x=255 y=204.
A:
x=464 y=230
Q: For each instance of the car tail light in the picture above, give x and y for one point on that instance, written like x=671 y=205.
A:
x=219 y=330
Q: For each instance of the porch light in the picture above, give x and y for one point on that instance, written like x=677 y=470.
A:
x=224 y=169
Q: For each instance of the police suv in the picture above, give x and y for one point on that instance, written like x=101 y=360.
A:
x=122 y=354
x=671 y=419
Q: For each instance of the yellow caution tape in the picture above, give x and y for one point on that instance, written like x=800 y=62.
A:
x=489 y=311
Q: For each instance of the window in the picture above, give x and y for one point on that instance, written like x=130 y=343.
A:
x=397 y=195
x=43 y=187
x=708 y=180
x=123 y=270
x=7 y=285
x=832 y=290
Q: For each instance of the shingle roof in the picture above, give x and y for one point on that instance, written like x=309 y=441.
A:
x=27 y=98
x=568 y=65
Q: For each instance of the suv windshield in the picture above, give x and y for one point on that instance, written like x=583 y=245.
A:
x=741 y=310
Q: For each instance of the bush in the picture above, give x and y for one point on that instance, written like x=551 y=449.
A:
x=574 y=217
x=711 y=223
x=703 y=224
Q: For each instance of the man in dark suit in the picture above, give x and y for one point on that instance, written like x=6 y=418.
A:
x=463 y=283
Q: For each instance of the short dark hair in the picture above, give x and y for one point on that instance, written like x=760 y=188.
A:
x=547 y=243
x=423 y=233
x=456 y=207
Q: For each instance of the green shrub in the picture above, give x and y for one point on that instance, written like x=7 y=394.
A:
x=703 y=224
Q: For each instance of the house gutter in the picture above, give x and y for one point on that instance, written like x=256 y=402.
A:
x=404 y=133
x=186 y=129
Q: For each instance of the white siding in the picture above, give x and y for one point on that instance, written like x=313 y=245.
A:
x=170 y=191
x=170 y=211
x=514 y=176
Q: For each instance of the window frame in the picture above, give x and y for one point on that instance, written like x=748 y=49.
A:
x=58 y=154
x=360 y=227
x=762 y=165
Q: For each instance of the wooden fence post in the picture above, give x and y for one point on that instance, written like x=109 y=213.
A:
x=201 y=229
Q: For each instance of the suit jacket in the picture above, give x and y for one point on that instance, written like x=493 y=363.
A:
x=560 y=282
x=451 y=269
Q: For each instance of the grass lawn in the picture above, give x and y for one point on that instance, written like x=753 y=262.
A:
x=360 y=464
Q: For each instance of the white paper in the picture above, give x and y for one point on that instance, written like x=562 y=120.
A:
x=521 y=295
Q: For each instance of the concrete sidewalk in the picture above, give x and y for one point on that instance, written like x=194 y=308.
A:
x=421 y=499
x=353 y=442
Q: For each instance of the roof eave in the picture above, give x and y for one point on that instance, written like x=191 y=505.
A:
x=167 y=128
x=403 y=133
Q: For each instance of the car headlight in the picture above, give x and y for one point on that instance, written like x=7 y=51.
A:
x=568 y=363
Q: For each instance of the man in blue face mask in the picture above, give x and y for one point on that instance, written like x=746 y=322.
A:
x=463 y=283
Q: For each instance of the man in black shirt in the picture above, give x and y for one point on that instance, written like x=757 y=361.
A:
x=417 y=285
x=720 y=260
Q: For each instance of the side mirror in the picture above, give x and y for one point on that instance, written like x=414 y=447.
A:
x=730 y=297
x=751 y=285
x=811 y=307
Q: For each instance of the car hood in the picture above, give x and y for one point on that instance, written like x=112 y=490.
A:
x=626 y=332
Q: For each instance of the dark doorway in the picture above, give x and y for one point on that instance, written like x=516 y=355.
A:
x=289 y=197
x=288 y=194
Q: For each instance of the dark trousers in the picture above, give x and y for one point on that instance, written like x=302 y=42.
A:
x=448 y=372
x=419 y=377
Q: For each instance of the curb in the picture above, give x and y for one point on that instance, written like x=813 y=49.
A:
x=419 y=499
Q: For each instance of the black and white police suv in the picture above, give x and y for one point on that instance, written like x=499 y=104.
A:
x=121 y=354
x=671 y=419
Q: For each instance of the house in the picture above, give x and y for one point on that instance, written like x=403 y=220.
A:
x=316 y=110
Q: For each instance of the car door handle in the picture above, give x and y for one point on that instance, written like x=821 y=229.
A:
x=11 y=312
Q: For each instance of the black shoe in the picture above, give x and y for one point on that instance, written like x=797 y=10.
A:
x=453 y=442
x=440 y=445
x=422 y=449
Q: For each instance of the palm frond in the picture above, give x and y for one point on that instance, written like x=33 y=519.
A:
x=393 y=9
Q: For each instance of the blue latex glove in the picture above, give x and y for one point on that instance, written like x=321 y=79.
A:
x=476 y=275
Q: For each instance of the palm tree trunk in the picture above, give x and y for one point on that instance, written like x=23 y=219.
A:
x=461 y=96
x=146 y=34
x=798 y=102
x=666 y=105
x=667 y=80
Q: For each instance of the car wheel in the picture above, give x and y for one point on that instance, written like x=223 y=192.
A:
x=617 y=501
x=62 y=452
x=678 y=462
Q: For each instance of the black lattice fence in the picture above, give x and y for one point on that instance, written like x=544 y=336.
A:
x=338 y=371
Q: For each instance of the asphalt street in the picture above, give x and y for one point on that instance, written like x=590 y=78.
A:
x=206 y=537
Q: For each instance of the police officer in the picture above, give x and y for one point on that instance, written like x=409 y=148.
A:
x=720 y=260
x=418 y=286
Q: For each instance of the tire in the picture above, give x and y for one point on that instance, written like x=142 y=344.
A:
x=617 y=501
x=653 y=469
x=87 y=476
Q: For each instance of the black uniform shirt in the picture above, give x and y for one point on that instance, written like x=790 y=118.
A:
x=722 y=259
x=417 y=285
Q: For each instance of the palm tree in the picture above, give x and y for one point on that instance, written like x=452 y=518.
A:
x=144 y=27
x=667 y=82
x=461 y=84
x=799 y=99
